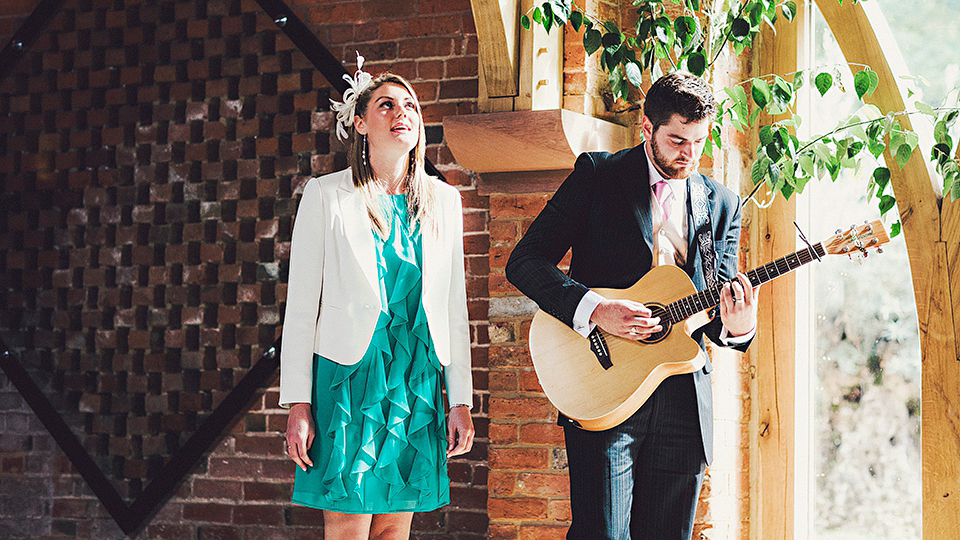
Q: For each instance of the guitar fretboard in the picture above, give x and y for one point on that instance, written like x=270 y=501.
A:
x=706 y=299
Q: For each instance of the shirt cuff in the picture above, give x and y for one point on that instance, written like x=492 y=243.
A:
x=727 y=339
x=581 y=317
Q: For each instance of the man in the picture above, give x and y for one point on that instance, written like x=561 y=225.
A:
x=641 y=479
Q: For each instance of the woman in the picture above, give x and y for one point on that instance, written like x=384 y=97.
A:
x=368 y=345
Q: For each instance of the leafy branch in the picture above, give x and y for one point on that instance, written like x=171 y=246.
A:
x=782 y=160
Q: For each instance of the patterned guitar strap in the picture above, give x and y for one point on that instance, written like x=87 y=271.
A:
x=704 y=239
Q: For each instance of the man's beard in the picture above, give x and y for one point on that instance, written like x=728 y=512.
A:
x=668 y=169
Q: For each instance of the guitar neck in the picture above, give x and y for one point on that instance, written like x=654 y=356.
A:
x=708 y=298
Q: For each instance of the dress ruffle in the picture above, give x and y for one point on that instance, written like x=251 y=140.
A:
x=386 y=433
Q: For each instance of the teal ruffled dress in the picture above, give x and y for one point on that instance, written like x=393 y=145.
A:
x=380 y=443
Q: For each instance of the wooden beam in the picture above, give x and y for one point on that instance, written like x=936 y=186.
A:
x=773 y=353
x=497 y=34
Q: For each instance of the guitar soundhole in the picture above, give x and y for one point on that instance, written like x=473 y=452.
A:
x=659 y=310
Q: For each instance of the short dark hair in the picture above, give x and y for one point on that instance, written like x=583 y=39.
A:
x=679 y=93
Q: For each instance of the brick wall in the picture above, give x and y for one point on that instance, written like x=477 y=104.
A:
x=151 y=155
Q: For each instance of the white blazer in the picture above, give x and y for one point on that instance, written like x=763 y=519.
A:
x=333 y=299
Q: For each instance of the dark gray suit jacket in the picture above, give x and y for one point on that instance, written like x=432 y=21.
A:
x=602 y=211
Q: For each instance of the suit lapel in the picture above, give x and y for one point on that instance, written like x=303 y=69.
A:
x=638 y=162
x=357 y=229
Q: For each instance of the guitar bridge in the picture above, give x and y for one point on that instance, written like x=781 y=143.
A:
x=599 y=347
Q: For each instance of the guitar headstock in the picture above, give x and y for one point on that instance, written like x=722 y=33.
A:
x=857 y=239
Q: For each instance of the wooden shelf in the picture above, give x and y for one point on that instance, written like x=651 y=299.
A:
x=524 y=141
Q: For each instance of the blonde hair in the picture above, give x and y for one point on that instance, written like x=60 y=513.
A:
x=420 y=191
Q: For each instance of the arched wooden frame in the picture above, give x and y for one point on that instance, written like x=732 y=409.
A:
x=931 y=228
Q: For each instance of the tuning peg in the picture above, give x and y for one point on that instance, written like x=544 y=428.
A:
x=879 y=250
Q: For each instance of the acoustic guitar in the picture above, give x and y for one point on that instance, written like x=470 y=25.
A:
x=601 y=381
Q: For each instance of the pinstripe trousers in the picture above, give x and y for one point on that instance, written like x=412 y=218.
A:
x=640 y=480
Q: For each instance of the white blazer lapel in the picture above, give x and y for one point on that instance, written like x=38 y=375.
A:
x=433 y=252
x=357 y=229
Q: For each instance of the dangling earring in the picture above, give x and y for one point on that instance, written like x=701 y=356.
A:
x=363 y=149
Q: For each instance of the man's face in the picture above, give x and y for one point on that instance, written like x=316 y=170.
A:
x=677 y=145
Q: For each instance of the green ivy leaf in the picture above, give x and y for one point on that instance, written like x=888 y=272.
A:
x=925 y=109
x=881 y=176
x=903 y=154
x=874 y=81
x=861 y=83
x=740 y=28
x=576 y=20
x=886 y=203
x=823 y=82
x=634 y=74
x=718 y=140
x=611 y=42
x=611 y=27
x=664 y=34
x=940 y=152
x=766 y=135
x=789 y=10
x=759 y=170
x=617 y=83
x=806 y=165
x=537 y=15
x=697 y=63
x=798 y=80
x=940 y=131
x=776 y=179
x=643 y=29
x=760 y=91
x=684 y=26
x=592 y=39
x=773 y=151
x=525 y=22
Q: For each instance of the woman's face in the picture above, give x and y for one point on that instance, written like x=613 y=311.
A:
x=391 y=122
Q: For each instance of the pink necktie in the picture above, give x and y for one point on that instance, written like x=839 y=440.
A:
x=663 y=192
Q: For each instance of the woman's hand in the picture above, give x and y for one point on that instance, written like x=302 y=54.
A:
x=300 y=434
x=459 y=431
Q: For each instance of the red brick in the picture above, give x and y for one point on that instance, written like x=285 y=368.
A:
x=550 y=485
x=503 y=433
x=258 y=515
x=517 y=508
x=506 y=458
x=262 y=491
x=208 y=512
x=525 y=407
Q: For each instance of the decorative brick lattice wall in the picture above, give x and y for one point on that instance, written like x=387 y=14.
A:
x=151 y=156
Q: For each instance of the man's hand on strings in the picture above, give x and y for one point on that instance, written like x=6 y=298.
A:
x=738 y=305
